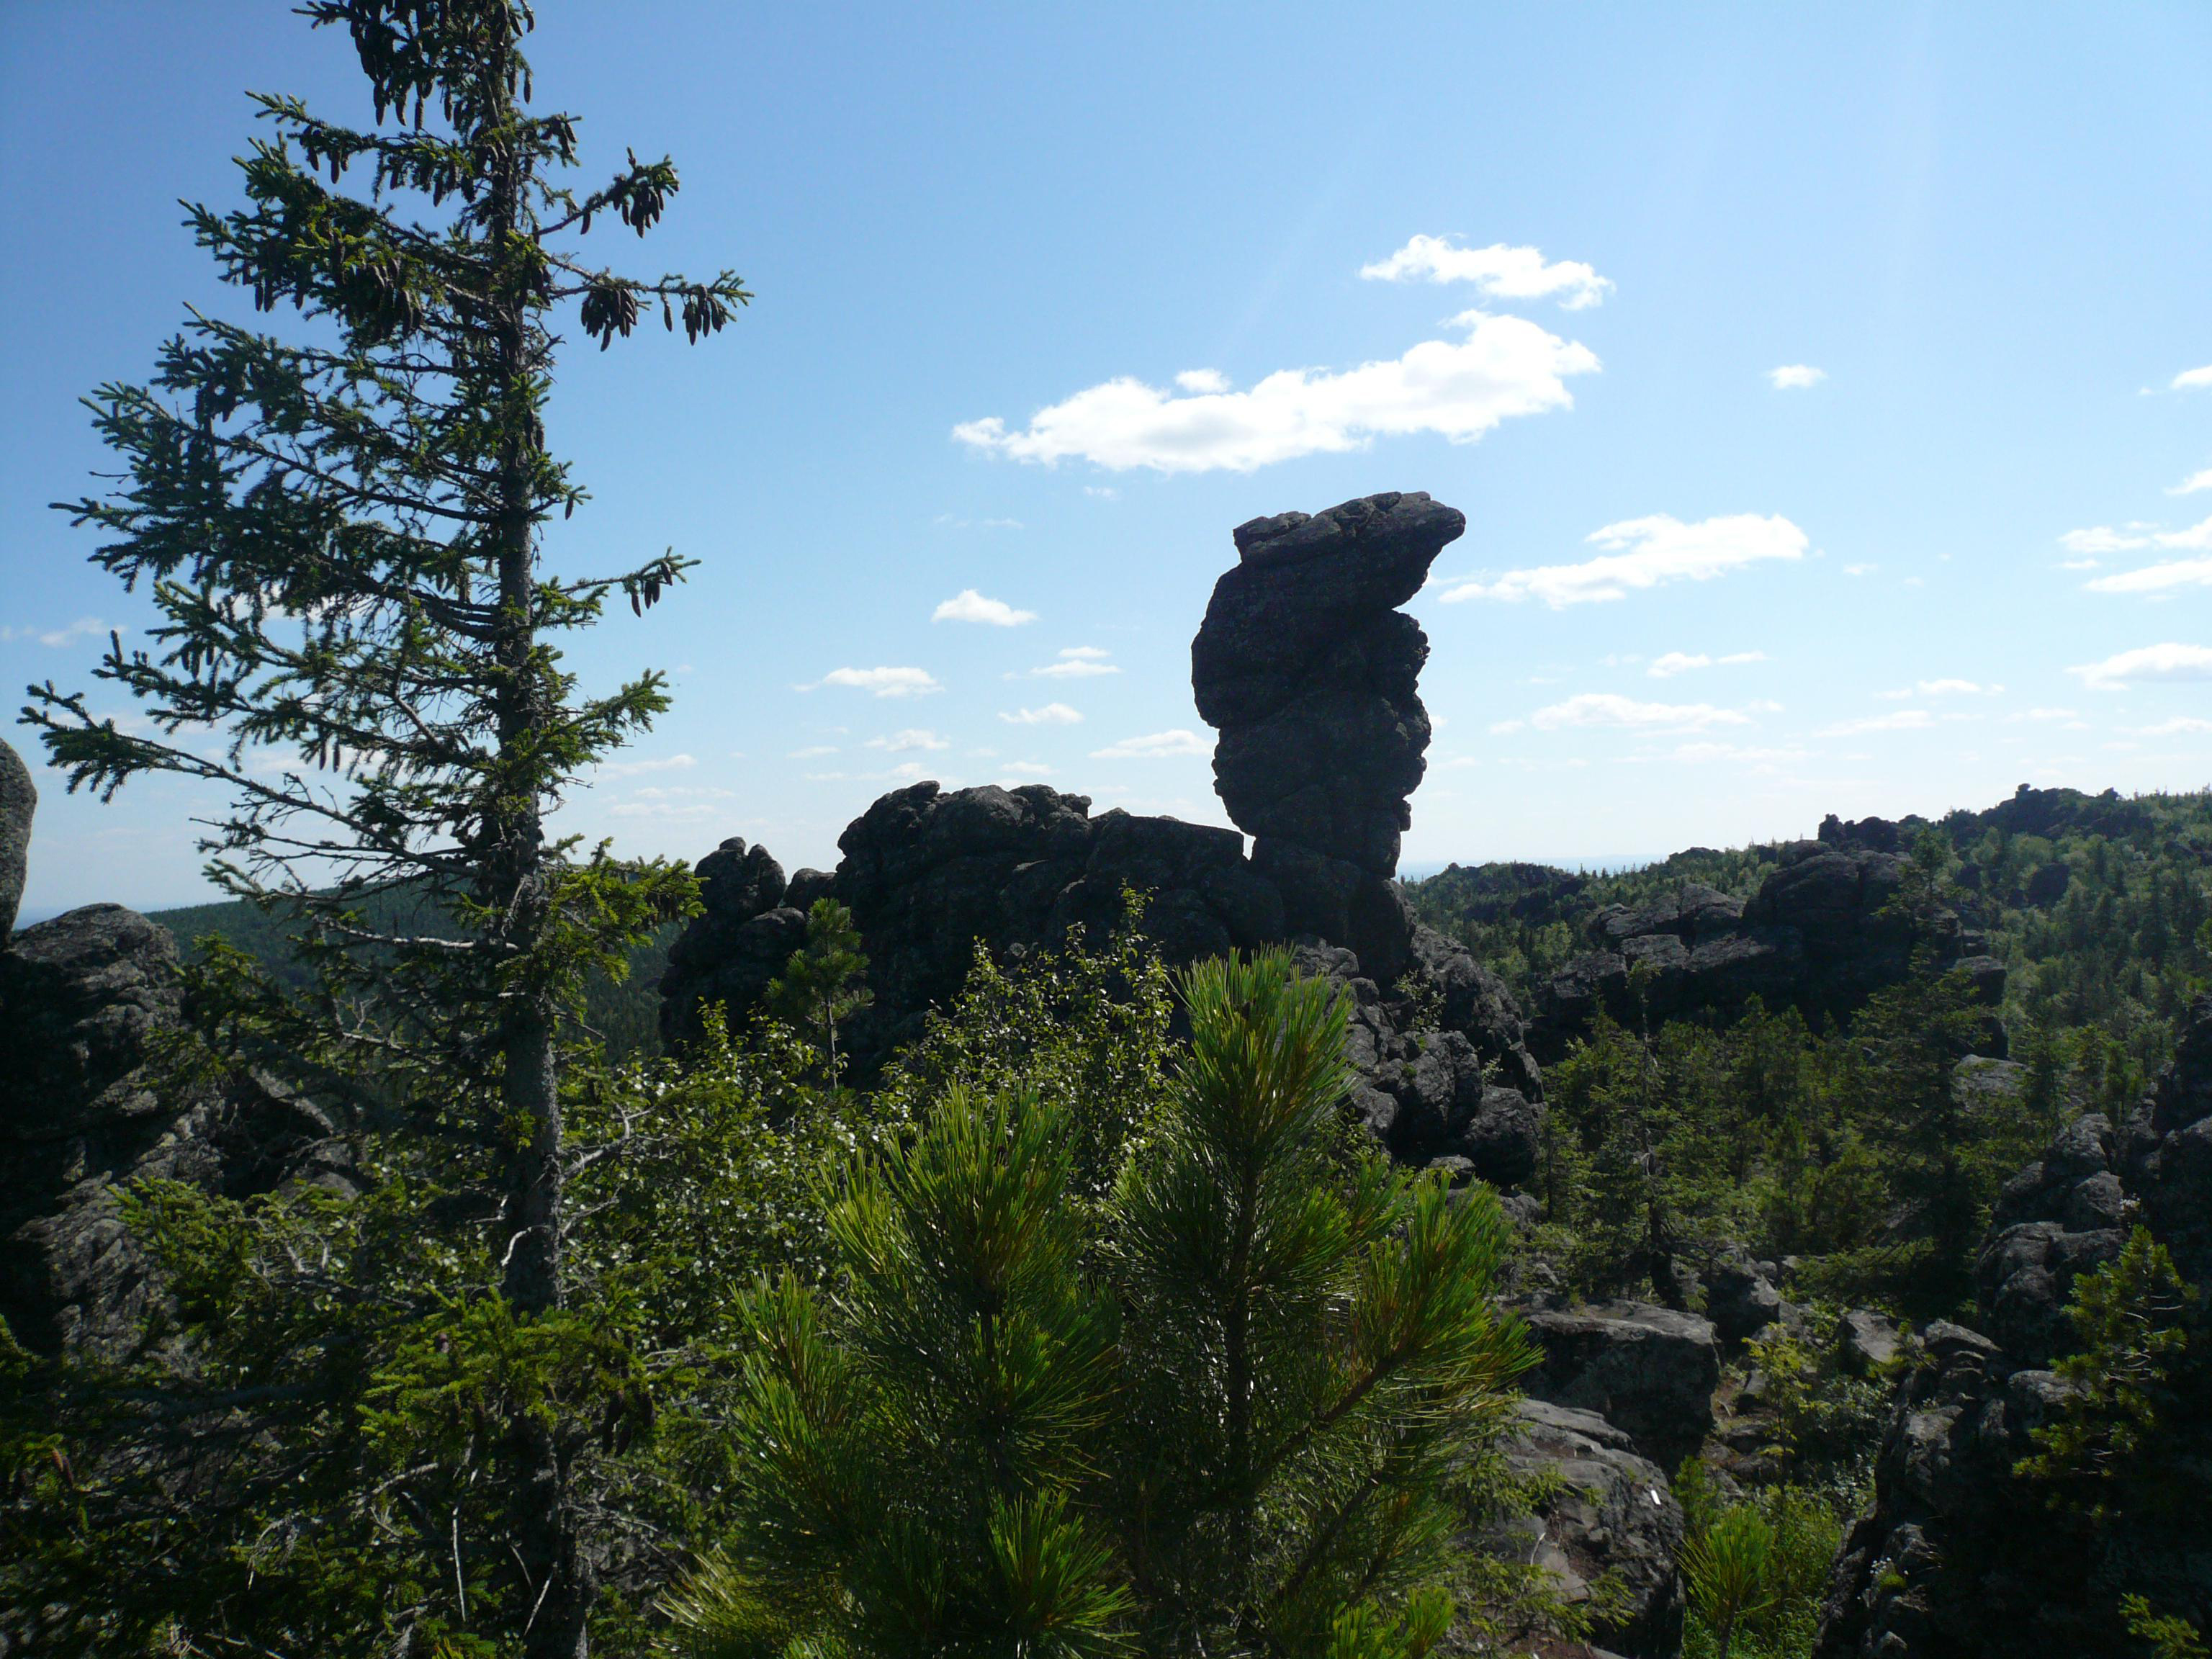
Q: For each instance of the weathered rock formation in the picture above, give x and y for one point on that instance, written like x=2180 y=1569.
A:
x=1649 y=1371
x=1610 y=1511
x=1309 y=669
x=1820 y=935
x=84 y=1000
x=18 y=799
x=1959 y=1556
x=928 y=874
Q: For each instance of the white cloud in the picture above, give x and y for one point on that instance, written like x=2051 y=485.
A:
x=2103 y=538
x=1152 y=747
x=2044 y=714
x=1609 y=708
x=1053 y=713
x=1795 y=377
x=2191 y=378
x=2174 y=727
x=2194 y=482
x=1681 y=662
x=1102 y=492
x=970 y=607
x=1498 y=271
x=1904 y=720
x=2156 y=578
x=882 y=681
x=818 y=749
x=1202 y=379
x=1657 y=549
x=1861 y=569
x=1077 y=662
x=913 y=736
x=1941 y=688
x=82 y=628
x=636 y=767
x=2166 y=661
x=1504 y=367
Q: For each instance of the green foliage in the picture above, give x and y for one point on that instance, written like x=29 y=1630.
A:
x=2167 y=1635
x=2132 y=1319
x=1223 y=1409
x=1756 y=1570
x=1087 y=1031
x=825 y=981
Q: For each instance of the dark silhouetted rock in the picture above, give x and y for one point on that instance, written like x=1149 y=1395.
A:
x=1309 y=671
x=83 y=1001
x=1818 y=935
x=1609 y=1511
x=1649 y=1371
x=728 y=954
x=19 y=800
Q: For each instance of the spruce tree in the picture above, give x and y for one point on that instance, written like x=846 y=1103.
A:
x=343 y=536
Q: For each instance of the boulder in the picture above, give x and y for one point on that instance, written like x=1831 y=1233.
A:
x=1649 y=1371
x=19 y=799
x=1866 y=1341
x=1610 y=1511
x=1741 y=1297
x=84 y=1108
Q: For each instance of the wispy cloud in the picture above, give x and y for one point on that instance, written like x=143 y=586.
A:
x=1503 y=367
x=1651 y=551
x=881 y=682
x=1078 y=662
x=1154 y=746
x=2163 y=661
x=2194 y=482
x=82 y=628
x=2174 y=727
x=1026 y=770
x=1951 y=688
x=1498 y=271
x=970 y=607
x=814 y=752
x=1681 y=662
x=1607 y=708
x=2156 y=578
x=640 y=768
x=1053 y=713
x=1900 y=720
x=915 y=737
x=1795 y=377
x=2193 y=378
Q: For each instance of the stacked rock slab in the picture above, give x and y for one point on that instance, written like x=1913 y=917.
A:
x=1821 y=935
x=1308 y=669
x=1958 y=1557
x=18 y=799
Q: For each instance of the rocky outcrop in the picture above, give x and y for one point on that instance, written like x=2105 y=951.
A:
x=18 y=799
x=1609 y=1512
x=1959 y=1556
x=85 y=1000
x=1309 y=669
x=1649 y=1371
x=1821 y=935
x=929 y=874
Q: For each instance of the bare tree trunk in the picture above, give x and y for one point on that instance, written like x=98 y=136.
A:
x=558 y=1578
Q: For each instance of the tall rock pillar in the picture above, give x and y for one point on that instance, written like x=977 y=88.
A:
x=1309 y=669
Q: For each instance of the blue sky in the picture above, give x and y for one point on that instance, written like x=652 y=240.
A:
x=1542 y=262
